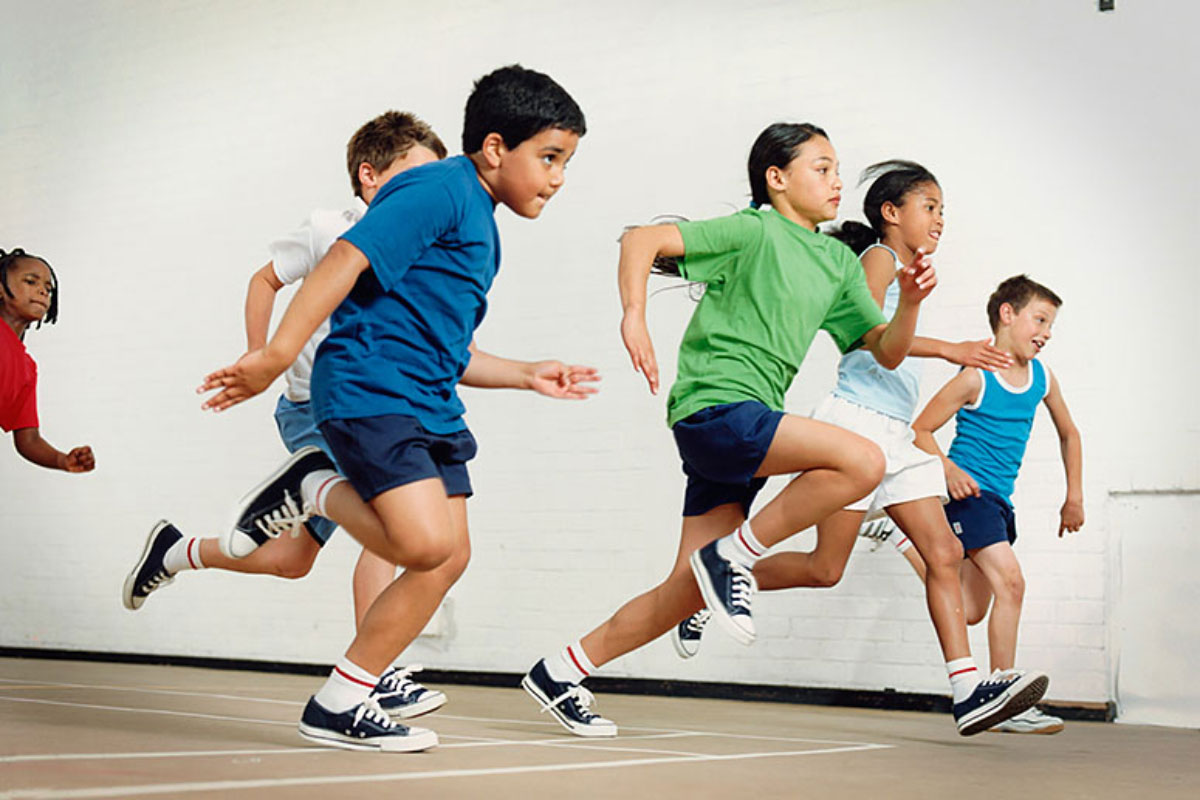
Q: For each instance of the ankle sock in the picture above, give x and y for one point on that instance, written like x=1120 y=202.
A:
x=570 y=665
x=901 y=541
x=314 y=489
x=347 y=686
x=184 y=554
x=964 y=677
x=741 y=546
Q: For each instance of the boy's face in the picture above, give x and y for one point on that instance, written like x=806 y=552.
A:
x=31 y=285
x=529 y=174
x=1029 y=328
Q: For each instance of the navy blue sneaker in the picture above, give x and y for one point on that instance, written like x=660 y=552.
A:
x=149 y=573
x=274 y=506
x=568 y=702
x=686 y=635
x=402 y=697
x=1004 y=694
x=364 y=727
x=727 y=588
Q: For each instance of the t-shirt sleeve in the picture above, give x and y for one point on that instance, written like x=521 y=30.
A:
x=855 y=311
x=398 y=228
x=23 y=413
x=711 y=247
x=293 y=256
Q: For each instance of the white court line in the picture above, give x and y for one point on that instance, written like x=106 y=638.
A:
x=224 y=786
x=143 y=710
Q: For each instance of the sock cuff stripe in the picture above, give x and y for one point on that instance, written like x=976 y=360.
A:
x=324 y=488
x=962 y=671
x=754 y=551
x=575 y=661
x=352 y=679
x=188 y=552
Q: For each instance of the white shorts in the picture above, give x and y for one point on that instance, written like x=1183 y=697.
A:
x=911 y=473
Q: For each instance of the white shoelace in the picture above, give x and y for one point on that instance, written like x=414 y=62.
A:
x=583 y=698
x=398 y=682
x=160 y=578
x=1002 y=676
x=877 y=531
x=743 y=587
x=370 y=709
x=697 y=621
x=286 y=519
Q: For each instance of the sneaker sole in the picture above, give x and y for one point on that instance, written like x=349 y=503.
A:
x=680 y=650
x=234 y=544
x=426 y=706
x=131 y=602
x=412 y=743
x=579 y=730
x=1045 y=730
x=709 y=593
x=1022 y=697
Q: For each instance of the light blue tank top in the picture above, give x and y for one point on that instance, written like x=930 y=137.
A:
x=864 y=381
x=991 y=437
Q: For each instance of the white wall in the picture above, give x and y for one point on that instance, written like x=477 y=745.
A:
x=150 y=150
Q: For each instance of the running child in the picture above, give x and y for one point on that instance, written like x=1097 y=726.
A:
x=29 y=297
x=994 y=415
x=904 y=208
x=407 y=286
x=771 y=282
x=381 y=149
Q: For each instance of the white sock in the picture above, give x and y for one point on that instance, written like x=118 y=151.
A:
x=348 y=685
x=901 y=541
x=741 y=547
x=570 y=665
x=184 y=554
x=315 y=486
x=964 y=677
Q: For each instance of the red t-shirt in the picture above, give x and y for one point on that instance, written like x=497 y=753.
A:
x=18 y=383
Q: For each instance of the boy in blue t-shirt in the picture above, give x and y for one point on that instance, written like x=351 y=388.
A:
x=995 y=413
x=407 y=286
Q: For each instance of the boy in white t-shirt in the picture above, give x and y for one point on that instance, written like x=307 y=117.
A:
x=382 y=148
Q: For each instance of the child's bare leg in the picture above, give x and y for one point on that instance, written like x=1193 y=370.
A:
x=837 y=466
x=286 y=557
x=823 y=566
x=650 y=615
x=420 y=511
x=914 y=560
x=417 y=536
x=977 y=592
x=371 y=576
x=999 y=565
x=924 y=522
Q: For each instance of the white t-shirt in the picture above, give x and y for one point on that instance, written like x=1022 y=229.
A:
x=294 y=257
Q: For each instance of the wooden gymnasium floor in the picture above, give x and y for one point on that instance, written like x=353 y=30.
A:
x=80 y=729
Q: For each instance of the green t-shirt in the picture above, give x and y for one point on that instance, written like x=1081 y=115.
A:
x=770 y=285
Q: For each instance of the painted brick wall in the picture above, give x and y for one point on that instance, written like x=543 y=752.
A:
x=151 y=150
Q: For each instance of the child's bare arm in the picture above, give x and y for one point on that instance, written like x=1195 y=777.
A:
x=890 y=343
x=260 y=302
x=962 y=389
x=981 y=353
x=1071 y=445
x=36 y=450
x=639 y=247
x=321 y=293
x=551 y=378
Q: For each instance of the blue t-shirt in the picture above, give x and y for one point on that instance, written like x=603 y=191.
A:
x=398 y=344
x=864 y=381
x=991 y=434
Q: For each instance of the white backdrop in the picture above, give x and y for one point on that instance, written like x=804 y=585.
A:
x=149 y=150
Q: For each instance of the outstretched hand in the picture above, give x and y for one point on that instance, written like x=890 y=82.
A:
x=250 y=375
x=918 y=278
x=80 y=459
x=641 y=350
x=566 y=382
x=981 y=354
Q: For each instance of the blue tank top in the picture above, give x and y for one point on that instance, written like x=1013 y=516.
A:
x=865 y=382
x=992 y=433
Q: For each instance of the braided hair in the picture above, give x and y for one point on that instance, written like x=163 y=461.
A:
x=8 y=258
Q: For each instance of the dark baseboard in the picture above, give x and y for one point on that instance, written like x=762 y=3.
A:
x=887 y=699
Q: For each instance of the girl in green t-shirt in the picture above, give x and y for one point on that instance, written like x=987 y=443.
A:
x=771 y=282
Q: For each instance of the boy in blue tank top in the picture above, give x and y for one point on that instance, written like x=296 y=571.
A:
x=994 y=414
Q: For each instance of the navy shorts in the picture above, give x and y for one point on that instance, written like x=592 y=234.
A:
x=380 y=453
x=981 y=521
x=722 y=447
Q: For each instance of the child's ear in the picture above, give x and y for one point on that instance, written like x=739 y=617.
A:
x=890 y=213
x=366 y=175
x=493 y=150
x=775 y=179
x=1007 y=314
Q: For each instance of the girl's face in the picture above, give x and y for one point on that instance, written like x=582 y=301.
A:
x=918 y=218
x=808 y=190
x=31 y=285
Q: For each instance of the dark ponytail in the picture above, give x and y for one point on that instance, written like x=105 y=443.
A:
x=892 y=181
x=775 y=147
x=11 y=257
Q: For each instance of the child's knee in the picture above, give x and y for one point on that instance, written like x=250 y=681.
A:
x=867 y=466
x=944 y=555
x=293 y=564
x=827 y=574
x=1011 y=587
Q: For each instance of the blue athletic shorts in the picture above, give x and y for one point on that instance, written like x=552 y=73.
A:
x=981 y=521
x=380 y=453
x=722 y=447
x=298 y=429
